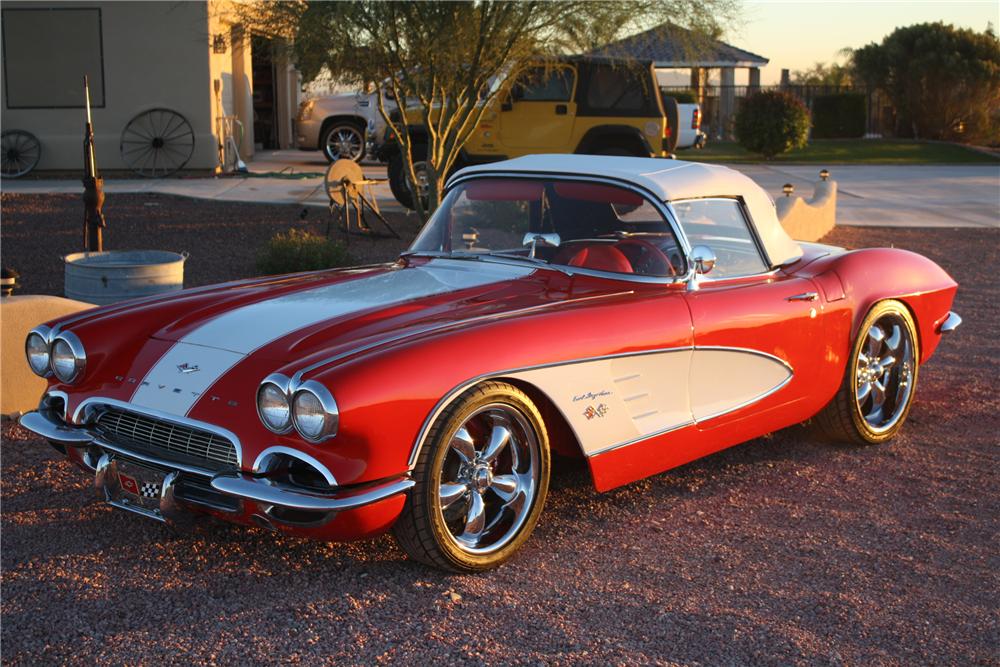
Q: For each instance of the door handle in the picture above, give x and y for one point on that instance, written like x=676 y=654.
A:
x=805 y=296
x=560 y=109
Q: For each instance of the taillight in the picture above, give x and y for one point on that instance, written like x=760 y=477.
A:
x=666 y=130
x=696 y=118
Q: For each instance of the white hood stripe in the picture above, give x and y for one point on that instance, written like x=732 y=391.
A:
x=220 y=343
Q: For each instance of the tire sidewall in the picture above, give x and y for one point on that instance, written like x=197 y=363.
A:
x=325 y=146
x=436 y=449
x=877 y=312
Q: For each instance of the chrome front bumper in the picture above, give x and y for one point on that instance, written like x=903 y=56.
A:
x=950 y=323
x=102 y=457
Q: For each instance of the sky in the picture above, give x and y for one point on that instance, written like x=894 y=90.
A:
x=797 y=34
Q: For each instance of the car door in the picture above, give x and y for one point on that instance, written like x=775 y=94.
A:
x=538 y=116
x=758 y=332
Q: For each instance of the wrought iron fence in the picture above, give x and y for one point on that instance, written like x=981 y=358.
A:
x=880 y=115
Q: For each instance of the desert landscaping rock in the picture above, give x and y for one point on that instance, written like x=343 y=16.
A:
x=785 y=550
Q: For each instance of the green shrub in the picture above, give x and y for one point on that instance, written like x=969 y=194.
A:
x=682 y=96
x=839 y=116
x=295 y=250
x=772 y=122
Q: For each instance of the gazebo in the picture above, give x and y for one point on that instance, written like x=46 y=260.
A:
x=672 y=47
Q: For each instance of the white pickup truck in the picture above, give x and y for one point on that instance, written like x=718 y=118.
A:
x=689 y=126
x=342 y=126
x=685 y=121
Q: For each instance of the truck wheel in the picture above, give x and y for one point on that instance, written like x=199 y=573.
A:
x=397 y=177
x=343 y=139
x=481 y=480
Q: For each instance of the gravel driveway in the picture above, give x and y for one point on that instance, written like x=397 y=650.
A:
x=784 y=550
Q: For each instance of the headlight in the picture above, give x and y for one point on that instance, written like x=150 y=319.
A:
x=68 y=360
x=272 y=404
x=314 y=412
x=306 y=109
x=36 y=348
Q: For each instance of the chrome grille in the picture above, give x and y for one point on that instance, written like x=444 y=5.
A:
x=130 y=428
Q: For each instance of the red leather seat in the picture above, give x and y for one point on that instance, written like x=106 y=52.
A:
x=598 y=256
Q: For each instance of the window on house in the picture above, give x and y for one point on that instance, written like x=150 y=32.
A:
x=47 y=52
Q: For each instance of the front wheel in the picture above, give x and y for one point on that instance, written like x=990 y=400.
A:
x=877 y=392
x=343 y=140
x=481 y=481
x=398 y=183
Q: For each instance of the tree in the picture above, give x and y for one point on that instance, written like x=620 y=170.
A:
x=821 y=74
x=772 y=122
x=943 y=81
x=449 y=60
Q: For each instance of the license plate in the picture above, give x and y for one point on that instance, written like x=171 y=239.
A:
x=139 y=485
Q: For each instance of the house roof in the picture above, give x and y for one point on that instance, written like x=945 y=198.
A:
x=669 y=45
x=668 y=180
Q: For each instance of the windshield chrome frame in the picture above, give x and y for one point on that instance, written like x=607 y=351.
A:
x=661 y=207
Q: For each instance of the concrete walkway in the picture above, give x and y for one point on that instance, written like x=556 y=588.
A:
x=904 y=196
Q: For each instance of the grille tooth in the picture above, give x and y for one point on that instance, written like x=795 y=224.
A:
x=124 y=427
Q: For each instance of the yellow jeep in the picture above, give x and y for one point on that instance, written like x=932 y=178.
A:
x=578 y=105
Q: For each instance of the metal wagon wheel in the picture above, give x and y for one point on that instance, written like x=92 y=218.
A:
x=156 y=143
x=21 y=152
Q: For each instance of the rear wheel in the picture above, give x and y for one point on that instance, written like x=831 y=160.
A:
x=877 y=392
x=481 y=481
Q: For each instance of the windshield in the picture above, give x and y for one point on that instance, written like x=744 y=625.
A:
x=560 y=222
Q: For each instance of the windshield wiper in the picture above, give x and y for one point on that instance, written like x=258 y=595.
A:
x=522 y=258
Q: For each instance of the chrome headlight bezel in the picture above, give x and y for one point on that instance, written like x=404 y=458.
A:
x=77 y=353
x=280 y=384
x=42 y=333
x=330 y=411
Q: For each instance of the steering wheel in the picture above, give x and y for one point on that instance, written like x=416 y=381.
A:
x=646 y=257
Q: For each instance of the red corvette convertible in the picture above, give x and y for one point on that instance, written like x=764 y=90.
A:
x=638 y=313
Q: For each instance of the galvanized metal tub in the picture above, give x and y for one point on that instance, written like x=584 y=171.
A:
x=119 y=275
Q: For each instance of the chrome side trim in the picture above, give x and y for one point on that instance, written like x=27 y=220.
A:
x=260 y=465
x=611 y=448
x=297 y=378
x=447 y=398
x=85 y=412
x=950 y=323
x=256 y=491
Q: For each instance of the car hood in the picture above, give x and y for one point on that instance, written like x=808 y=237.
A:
x=345 y=309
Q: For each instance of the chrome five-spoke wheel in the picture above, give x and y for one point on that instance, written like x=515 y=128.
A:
x=884 y=373
x=489 y=478
x=481 y=479
x=875 y=397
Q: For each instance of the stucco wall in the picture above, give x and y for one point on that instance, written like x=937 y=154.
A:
x=20 y=389
x=812 y=219
x=155 y=54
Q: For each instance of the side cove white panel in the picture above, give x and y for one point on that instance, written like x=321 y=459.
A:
x=615 y=401
x=723 y=380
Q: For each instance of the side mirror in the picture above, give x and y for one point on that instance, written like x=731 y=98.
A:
x=703 y=259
